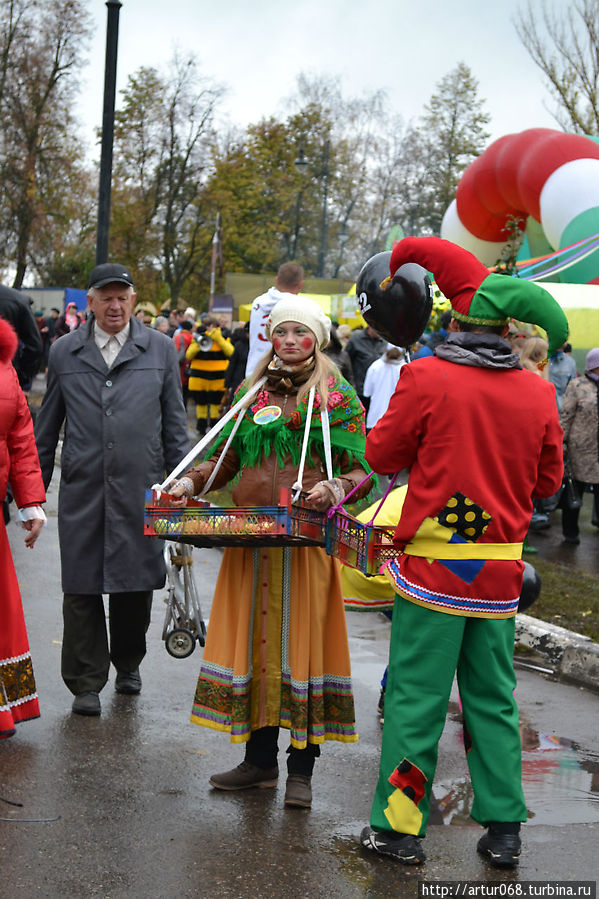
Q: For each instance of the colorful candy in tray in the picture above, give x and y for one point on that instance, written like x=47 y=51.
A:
x=358 y=545
x=202 y=524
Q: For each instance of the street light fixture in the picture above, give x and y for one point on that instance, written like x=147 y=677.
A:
x=302 y=163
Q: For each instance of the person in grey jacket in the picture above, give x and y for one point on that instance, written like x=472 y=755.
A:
x=579 y=418
x=115 y=385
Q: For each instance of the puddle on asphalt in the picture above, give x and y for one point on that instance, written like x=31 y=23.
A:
x=560 y=780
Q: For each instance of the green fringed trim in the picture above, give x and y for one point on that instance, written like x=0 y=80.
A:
x=253 y=442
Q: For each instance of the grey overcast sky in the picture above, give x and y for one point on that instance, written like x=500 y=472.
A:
x=256 y=50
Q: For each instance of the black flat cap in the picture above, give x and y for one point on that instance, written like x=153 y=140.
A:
x=109 y=273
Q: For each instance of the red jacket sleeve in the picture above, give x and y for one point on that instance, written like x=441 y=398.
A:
x=393 y=442
x=551 y=461
x=24 y=473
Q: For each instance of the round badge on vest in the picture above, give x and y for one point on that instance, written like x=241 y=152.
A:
x=267 y=414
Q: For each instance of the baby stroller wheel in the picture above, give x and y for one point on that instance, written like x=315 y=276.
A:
x=180 y=643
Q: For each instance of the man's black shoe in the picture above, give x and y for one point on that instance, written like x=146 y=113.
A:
x=501 y=849
x=87 y=704
x=128 y=682
x=404 y=848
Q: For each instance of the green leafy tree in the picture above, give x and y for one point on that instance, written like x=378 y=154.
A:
x=452 y=134
x=565 y=47
x=274 y=210
x=254 y=188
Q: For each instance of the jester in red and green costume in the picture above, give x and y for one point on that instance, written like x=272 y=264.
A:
x=481 y=438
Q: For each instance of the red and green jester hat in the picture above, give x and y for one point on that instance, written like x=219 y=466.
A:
x=479 y=297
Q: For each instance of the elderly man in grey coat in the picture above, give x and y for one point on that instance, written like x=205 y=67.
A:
x=115 y=385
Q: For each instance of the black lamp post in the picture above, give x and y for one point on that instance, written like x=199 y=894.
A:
x=112 y=39
x=301 y=164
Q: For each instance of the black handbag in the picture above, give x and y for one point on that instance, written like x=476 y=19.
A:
x=571 y=498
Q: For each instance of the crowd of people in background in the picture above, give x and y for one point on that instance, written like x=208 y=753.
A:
x=216 y=353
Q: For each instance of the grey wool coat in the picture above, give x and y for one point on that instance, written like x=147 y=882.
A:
x=125 y=428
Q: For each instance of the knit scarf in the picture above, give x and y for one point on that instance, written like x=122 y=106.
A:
x=477 y=350
x=289 y=377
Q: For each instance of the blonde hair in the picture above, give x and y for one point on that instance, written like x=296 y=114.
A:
x=323 y=369
x=533 y=354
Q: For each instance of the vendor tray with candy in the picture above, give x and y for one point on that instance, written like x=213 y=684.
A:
x=202 y=524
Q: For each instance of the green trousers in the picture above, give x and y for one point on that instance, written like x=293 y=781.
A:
x=427 y=649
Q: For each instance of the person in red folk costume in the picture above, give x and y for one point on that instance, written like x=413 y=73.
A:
x=481 y=438
x=19 y=465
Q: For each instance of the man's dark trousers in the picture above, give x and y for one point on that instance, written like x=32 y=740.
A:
x=86 y=656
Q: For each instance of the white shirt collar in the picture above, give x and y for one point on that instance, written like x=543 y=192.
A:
x=102 y=337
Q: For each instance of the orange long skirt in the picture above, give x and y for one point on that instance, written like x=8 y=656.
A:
x=276 y=651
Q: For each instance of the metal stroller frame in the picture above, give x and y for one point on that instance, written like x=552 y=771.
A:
x=183 y=622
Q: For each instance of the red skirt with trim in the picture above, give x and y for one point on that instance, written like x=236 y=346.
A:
x=18 y=696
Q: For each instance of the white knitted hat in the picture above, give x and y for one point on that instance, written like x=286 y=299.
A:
x=307 y=312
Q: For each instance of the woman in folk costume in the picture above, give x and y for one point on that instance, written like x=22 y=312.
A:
x=19 y=465
x=276 y=654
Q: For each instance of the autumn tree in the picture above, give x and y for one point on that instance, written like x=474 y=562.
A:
x=274 y=209
x=64 y=252
x=565 y=47
x=254 y=188
x=453 y=134
x=350 y=131
x=41 y=48
x=160 y=224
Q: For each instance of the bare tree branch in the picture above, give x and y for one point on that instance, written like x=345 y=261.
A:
x=566 y=50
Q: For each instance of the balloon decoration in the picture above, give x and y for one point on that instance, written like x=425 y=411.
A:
x=400 y=310
x=531 y=587
x=546 y=181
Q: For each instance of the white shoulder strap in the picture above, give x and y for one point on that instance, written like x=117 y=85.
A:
x=326 y=436
x=209 y=437
x=297 y=487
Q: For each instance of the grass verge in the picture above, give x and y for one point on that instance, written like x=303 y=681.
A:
x=568 y=597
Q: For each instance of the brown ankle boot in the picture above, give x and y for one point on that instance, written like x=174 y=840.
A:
x=245 y=776
x=298 y=792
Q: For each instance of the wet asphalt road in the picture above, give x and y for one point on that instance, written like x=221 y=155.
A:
x=120 y=806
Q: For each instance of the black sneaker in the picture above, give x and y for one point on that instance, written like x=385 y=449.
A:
x=501 y=849
x=403 y=847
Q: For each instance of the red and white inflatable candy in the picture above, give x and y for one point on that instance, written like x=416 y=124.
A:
x=541 y=176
